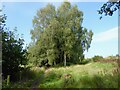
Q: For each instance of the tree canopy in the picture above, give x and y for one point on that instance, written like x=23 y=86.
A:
x=58 y=36
x=13 y=54
x=109 y=8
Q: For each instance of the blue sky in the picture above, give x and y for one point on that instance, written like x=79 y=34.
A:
x=105 y=39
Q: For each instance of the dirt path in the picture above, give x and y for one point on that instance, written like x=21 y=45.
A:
x=37 y=82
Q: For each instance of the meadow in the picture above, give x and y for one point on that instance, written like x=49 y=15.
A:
x=90 y=75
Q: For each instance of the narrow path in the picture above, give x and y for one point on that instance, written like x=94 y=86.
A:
x=37 y=82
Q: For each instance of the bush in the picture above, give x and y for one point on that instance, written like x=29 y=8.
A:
x=112 y=57
x=13 y=54
x=85 y=61
x=97 y=58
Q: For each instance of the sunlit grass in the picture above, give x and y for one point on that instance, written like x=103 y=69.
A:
x=91 y=75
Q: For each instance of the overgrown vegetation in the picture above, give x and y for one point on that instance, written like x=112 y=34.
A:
x=97 y=58
x=55 y=57
x=13 y=54
x=91 y=75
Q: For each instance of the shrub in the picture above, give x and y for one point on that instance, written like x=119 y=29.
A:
x=97 y=58
x=112 y=57
x=85 y=61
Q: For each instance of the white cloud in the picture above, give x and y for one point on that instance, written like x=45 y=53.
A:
x=107 y=35
x=54 y=0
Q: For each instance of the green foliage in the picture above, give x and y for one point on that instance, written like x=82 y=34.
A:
x=13 y=54
x=58 y=36
x=112 y=57
x=85 y=61
x=97 y=58
x=29 y=76
x=109 y=7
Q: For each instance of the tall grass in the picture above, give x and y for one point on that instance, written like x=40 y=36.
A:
x=91 y=75
x=28 y=76
x=94 y=75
